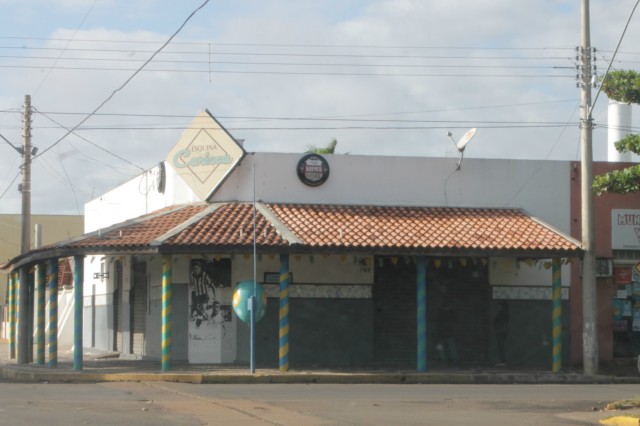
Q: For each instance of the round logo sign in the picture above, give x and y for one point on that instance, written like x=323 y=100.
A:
x=313 y=170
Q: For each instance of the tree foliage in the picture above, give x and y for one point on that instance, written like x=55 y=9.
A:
x=329 y=149
x=621 y=181
x=621 y=86
x=618 y=181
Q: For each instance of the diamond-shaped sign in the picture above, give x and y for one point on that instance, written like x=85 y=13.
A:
x=205 y=155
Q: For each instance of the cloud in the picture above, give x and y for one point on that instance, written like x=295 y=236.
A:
x=387 y=77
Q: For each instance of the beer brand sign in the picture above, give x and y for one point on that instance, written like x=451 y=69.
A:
x=625 y=229
x=313 y=170
x=205 y=155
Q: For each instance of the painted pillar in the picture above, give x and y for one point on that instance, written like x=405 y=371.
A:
x=16 y=310
x=421 y=285
x=78 y=300
x=53 y=313
x=40 y=312
x=23 y=316
x=556 y=297
x=283 y=351
x=166 y=312
x=12 y=315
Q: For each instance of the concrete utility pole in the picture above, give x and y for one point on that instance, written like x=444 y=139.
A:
x=25 y=245
x=24 y=350
x=589 y=290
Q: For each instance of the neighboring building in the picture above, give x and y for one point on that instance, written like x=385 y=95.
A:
x=52 y=227
x=356 y=255
x=617 y=219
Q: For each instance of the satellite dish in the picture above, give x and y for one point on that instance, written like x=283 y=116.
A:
x=462 y=143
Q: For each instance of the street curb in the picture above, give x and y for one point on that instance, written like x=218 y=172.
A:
x=35 y=375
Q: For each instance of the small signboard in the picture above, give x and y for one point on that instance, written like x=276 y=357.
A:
x=625 y=229
x=313 y=170
x=622 y=274
x=205 y=155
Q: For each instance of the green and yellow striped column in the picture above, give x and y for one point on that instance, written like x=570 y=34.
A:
x=53 y=313
x=40 y=313
x=421 y=296
x=283 y=352
x=12 y=314
x=166 y=312
x=23 y=350
x=78 y=293
x=556 y=297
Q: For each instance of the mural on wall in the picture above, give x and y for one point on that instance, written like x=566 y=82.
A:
x=211 y=329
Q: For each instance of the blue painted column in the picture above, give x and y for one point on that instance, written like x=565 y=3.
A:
x=78 y=292
x=166 y=313
x=421 y=296
x=283 y=351
x=40 y=313
x=53 y=313
x=556 y=297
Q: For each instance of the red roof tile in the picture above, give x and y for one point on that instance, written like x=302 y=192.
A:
x=228 y=225
x=302 y=227
x=138 y=232
x=439 y=229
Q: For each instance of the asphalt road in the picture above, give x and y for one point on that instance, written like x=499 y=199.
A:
x=160 y=403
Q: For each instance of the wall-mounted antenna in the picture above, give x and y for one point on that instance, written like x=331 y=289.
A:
x=462 y=143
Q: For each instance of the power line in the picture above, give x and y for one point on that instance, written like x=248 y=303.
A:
x=92 y=143
x=230 y=117
x=64 y=50
x=127 y=81
x=298 y=45
x=308 y=73
x=10 y=183
x=626 y=26
x=290 y=54
x=252 y=63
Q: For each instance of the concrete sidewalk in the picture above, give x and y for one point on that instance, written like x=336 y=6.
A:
x=109 y=367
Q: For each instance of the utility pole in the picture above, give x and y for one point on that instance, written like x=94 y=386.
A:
x=25 y=353
x=589 y=290
x=25 y=245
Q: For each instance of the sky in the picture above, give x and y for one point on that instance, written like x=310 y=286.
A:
x=383 y=77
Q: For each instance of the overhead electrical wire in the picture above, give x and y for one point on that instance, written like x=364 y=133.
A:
x=90 y=142
x=64 y=50
x=122 y=86
x=615 y=52
x=300 y=64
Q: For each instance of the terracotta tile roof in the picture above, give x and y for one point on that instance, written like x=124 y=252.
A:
x=301 y=227
x=415 y=228
x=230 y=224
x=139 y=232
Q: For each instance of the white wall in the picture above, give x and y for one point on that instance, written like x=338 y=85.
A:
x=136 y=197
x=540 y=187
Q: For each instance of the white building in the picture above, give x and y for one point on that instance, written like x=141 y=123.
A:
x=346 y=247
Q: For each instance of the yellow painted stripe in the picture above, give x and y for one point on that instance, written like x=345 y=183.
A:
x=284 y=330
x=284 y=350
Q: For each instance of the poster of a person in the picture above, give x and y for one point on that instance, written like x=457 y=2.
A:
x=211 y=330
x=203 y=293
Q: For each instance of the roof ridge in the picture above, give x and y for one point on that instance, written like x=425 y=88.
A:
x=553 y=229
x=133 y=221
x=284 y=231
x=393 y=206
x=212 y=207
